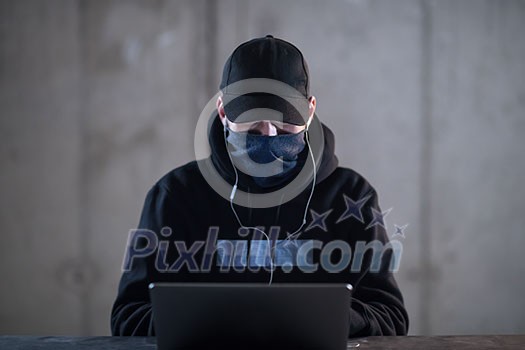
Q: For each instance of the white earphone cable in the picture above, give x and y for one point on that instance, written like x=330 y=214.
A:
x=293 y=235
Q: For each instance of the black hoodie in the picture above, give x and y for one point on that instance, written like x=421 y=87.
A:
x=183 y=201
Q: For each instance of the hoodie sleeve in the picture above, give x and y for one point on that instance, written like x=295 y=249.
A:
x=377 y=303
x=131 y=313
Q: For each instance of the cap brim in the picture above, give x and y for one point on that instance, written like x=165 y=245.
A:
x=262 y=106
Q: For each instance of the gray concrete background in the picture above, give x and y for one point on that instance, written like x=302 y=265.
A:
x=98 y=99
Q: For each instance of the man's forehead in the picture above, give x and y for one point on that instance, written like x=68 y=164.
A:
x=258 y=114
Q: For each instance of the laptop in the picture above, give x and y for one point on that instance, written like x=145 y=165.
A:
x=250 y=316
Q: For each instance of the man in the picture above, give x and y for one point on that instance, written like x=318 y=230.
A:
x=289 y=214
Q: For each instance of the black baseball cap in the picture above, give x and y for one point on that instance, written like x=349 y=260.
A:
x=270 y=58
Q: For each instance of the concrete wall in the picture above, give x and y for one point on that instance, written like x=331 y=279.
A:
x=98 y=99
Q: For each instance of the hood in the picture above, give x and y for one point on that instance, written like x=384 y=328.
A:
x=222 y=162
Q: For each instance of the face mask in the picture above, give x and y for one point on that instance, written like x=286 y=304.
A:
x=270 y=160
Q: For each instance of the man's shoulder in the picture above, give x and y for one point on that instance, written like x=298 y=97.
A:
x=350 y=180
x=184 y=176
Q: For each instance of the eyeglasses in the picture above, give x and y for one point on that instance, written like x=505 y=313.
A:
x=256 y=126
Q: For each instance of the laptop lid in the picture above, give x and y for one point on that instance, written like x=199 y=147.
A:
x=254 y=316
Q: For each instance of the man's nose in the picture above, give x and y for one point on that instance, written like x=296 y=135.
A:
x=264 y=127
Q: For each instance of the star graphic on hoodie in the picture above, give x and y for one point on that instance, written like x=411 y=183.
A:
x=291 y=239
x=378 y=218
x=353 y=208
x=318 y=220
x=400 y=231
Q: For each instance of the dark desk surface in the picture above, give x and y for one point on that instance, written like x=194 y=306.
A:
x=380 y=343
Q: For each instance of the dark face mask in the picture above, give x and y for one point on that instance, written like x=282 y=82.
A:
x=270 y=160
